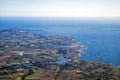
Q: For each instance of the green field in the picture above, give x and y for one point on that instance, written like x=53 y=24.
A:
x=36 y=74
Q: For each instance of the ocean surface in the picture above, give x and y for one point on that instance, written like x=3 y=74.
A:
x=101 y=37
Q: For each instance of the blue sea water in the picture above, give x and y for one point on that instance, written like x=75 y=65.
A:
x=101 y=37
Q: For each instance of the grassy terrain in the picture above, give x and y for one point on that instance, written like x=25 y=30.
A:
x=36 y=74
x=14 y=76
x=66 y=76
x=18 y=78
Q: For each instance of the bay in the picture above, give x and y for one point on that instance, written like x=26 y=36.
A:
x=100 y=37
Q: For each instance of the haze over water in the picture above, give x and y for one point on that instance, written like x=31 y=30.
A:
x=100 y=37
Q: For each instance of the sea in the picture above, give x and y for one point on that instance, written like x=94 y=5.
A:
x=100 y=36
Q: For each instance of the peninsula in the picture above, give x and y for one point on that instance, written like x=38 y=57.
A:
x=32 y=56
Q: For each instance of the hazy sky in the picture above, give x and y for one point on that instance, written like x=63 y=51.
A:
x=64 y=8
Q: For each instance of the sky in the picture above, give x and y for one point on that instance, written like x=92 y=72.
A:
x=60 y=8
